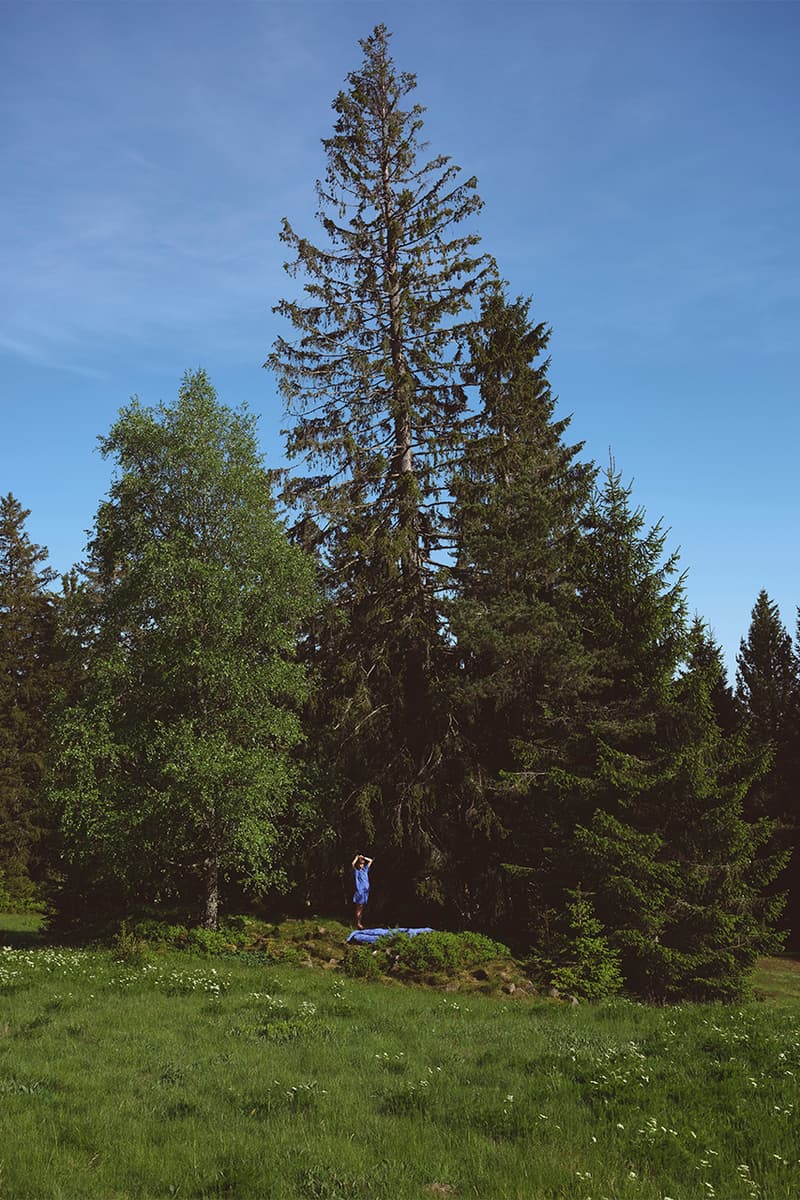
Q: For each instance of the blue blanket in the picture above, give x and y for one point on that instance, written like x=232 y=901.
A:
x=366 y=937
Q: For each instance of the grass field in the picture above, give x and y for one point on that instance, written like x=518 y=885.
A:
x=194 y=1077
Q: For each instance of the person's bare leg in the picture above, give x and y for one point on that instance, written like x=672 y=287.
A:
x=359 y=913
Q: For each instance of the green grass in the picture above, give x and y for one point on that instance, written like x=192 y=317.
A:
x=196 y=1077
x=778 y=979
x=21 y=929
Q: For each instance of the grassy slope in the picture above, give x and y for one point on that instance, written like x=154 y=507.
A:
x=778 y=979
x=121 y=1082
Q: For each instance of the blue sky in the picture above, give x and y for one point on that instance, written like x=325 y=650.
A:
x=640 y=171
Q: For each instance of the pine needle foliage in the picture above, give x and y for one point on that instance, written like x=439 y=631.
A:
x=679 y=873
x=767 y=676
x=373 y=392
x=520 y=495
x=768 y=692
x=27 y=675
x=661 y=843
x=28 y=657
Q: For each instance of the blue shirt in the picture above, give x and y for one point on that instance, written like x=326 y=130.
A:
x=362 y=885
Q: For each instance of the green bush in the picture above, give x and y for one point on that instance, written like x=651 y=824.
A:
x=360 y=962
x=129 y=947
x=441 y=953
x=582 y=963
x=479 y=949
x=19 y=894
x=161 y=933
x=240 y=931
x=236 y=924
x=209 y=941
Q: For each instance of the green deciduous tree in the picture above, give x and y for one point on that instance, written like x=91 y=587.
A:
x=370 y=379
x=174 y=767
x=27 y=674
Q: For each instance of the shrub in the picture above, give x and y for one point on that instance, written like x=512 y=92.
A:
x=441 y=953
x=581 y=962
x=360 y=962
x=161 y=933
x=209 y=941
x=129 y=947
x=20 y=895
x=177 y=937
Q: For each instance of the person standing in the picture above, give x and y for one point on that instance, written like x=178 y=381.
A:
x=361 y=865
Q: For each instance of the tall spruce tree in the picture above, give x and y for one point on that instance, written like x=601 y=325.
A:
x=707 y=654
x=27 y=670
x=631 y=613
x=653 y=802
x=519 y=498
x=791 y=816
x=370 y=380
x=767 y=678
x=679 y=874
x=768 y=691
x=173 y=767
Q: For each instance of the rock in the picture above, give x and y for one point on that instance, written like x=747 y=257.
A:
x=529 y=986
x=573 y=1000
x=554 y=993
x=321 y=931
x=506 y=978
x=452 y=986
x=509 y=988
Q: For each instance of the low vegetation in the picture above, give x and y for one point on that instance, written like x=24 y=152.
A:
x=139 y=1071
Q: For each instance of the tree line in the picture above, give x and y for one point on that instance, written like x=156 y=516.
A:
x=441 y=635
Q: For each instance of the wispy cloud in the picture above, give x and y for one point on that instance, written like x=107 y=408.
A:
x=145 y=210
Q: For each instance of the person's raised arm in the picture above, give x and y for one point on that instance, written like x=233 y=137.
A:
x=355 y=860
x=368 y=861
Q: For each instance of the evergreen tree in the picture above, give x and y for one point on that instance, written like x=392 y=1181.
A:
x=371 y=386
x=767 y=686
x=174 y=766
x=519 y=498
x=27 y=667
x=707 y=654
x=679 y=874
x=768 y=691
x=651 y=817
x=631 y=612
x=634 y=612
